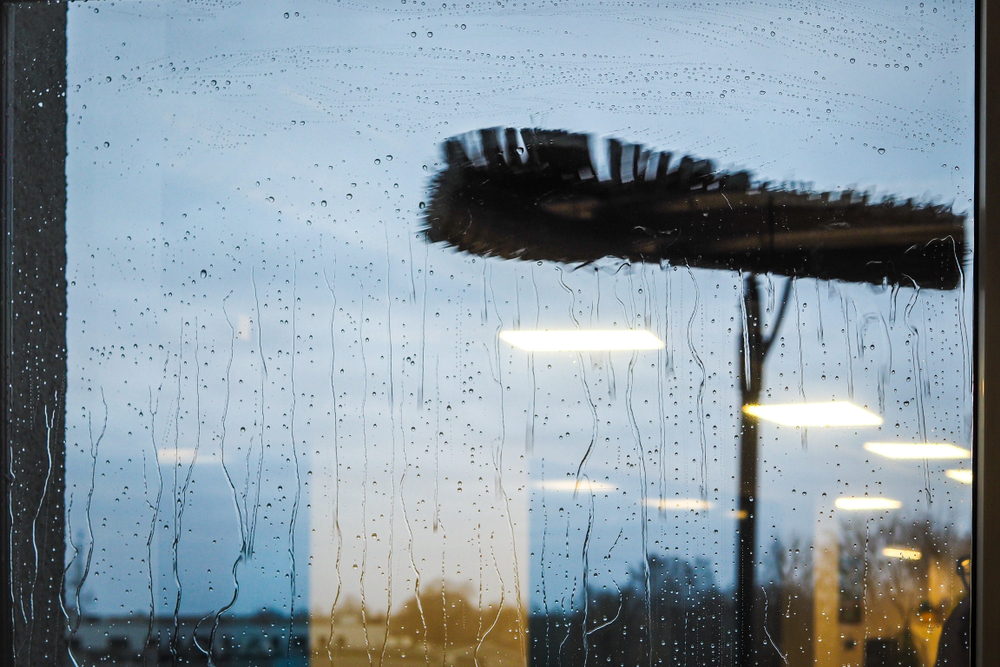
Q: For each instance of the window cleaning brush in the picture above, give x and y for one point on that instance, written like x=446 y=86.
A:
x=553 y=195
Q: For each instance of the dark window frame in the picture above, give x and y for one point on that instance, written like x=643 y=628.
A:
x=34 y=322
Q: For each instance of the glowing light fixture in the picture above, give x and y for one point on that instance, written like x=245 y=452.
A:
x=679 y=504
x=923 y=450
x=901 y=552
x=572 y=341
x=182 y=456
x=963 y=476
x=834 y=413
x=573 y=485
x=867 y=504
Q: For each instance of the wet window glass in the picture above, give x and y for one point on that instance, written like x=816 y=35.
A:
x=423 y=333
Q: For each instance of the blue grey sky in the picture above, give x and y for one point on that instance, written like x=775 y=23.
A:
x=245 y=191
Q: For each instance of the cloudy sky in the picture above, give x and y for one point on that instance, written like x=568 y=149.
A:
x=272 y=374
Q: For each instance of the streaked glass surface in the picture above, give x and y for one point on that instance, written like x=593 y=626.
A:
x=298 y=432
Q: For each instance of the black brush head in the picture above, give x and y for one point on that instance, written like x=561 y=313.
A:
x=534 y=194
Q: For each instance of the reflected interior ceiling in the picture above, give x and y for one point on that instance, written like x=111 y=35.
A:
x=918 y=450
x=582 y=340
x=865 y=503
x=902 y=553
x=963 y=476
x=832 y=413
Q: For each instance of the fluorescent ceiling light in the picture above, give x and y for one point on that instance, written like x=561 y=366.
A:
x=573 y=485
x=679 y=504
x=901 y=552
x=963 y=476
x=182 y=455
x=565 y=341
x=867 y=504
x=834 y=413
x=924 y=450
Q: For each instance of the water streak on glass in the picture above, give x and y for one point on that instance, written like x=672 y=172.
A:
x=298 y=432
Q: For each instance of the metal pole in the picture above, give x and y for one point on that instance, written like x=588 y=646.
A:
x=752 y=349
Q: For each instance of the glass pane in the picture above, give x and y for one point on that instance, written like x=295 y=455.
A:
x=670 y=367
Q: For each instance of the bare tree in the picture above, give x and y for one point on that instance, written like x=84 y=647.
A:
x=895 y=555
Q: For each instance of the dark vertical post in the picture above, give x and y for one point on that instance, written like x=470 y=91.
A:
x=34 y=329
x=986 y=455
x=752 y=350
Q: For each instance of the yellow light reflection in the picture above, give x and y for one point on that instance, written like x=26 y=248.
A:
x=963 y=476
x=834 y=413
x=572 y=341
x=911 y=450
x=573 y=485
x=901 y=552
x=867 y=504
x=679 y=504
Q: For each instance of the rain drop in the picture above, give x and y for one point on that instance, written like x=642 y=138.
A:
x=881 y=151
x=350 y=196
x=204 y=273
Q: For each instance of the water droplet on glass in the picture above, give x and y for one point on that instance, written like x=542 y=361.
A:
x=377 y=161
x=204 y=273
x=323 y=203
x=350 y=196
x=286 y=15
x=852 y=61
x=881 y=151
